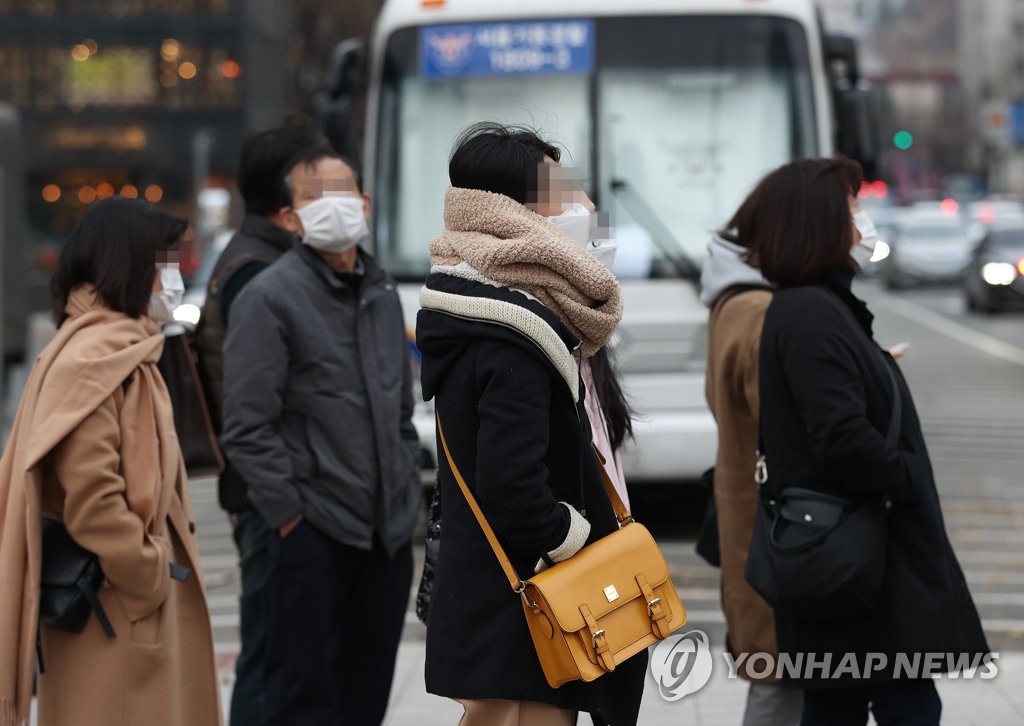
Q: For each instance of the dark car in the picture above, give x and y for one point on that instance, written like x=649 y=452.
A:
x=995 y=277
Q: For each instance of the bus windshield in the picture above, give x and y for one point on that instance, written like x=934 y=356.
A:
x=670 y=127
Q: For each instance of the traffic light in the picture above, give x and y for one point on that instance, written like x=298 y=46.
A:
x=903 y=139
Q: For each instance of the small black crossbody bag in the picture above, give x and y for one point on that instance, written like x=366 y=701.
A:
x=70 y=582
x=817 y=555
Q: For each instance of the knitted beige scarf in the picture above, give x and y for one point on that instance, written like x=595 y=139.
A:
x=516 y=247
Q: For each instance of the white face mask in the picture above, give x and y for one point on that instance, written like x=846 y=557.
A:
x=162 y=304
x=581 y=225
x=333 y=223
x=863 y=251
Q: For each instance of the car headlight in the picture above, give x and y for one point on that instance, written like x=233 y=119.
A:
x=187 y=313
x=882 y=250
x=998 y=273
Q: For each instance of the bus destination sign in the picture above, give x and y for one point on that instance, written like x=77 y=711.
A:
x=511 y=48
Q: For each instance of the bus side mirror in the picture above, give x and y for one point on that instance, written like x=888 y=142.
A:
x=346 y=79
x=857 y=133
x=857 y=112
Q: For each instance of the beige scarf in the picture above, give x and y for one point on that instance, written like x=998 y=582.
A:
x=516 y=247
x=94 y=353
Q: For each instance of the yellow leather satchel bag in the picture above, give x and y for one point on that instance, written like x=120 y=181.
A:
x=603 y=605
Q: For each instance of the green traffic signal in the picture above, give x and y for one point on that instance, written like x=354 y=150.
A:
x=903 y=139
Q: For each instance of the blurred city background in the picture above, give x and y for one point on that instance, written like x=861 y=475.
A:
x=672 y=124
x=151 y=99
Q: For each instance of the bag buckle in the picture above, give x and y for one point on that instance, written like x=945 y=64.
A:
x=651 y=605
x=761 y=469
x=596 y=636
x=527 y=600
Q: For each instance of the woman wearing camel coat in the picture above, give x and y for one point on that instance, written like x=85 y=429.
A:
x=94 y=447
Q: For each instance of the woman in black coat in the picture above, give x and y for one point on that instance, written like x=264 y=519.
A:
x=826 y=405
x=508 y=309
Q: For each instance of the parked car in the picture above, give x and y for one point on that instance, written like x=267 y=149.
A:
x=928 y=247
x=995 y=278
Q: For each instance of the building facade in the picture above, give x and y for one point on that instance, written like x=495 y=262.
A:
x=144 y=98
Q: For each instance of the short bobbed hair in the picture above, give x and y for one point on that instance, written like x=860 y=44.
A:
x=803 y=230
x=506 y=160
x=115 y=247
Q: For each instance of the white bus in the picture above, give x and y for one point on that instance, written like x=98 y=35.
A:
x=671 y=110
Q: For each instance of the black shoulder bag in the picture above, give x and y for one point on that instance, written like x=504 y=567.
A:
x=69 y=582
x=816 y=555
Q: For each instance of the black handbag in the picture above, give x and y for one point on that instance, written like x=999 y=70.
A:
x=432 y=550
x=816 y=555
x=70 y=581
x=707 y=545
x=196 y=435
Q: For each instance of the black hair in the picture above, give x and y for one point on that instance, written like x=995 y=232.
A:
x=114 y=247
x=618 y=414
x=261 y=168
x=741 y=228
x=501 y=159
x=311 y=155
x=803 y=228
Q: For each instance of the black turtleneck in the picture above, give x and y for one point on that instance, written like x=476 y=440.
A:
x=841 y=283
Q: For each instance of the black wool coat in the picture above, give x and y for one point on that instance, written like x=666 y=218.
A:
x=826 y=403
x=523 y=446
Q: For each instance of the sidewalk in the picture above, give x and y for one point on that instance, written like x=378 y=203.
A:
x=997 y=702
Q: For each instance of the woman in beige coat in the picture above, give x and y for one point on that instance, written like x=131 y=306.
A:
x=94 y=447
x=738 y=296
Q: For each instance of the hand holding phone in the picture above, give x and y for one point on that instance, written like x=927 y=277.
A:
x=899 y=350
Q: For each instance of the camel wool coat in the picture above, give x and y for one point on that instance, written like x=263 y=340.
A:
x=94 y=447
x=159 y=669
x=734 y=336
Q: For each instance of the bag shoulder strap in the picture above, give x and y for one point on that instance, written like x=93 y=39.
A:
x=514 y=581
x=736 y=291
x=896 y=419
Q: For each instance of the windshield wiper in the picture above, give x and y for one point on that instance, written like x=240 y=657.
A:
x=660 y=233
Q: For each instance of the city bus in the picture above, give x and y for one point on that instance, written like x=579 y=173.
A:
x=669 y=109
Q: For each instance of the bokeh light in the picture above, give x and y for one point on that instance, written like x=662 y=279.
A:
x=51 y=193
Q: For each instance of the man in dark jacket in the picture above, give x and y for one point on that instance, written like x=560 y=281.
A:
x=267 y=232
x=318 y=420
